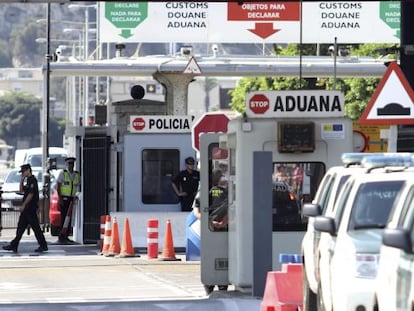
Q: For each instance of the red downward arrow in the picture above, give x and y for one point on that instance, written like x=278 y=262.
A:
x=264 y=30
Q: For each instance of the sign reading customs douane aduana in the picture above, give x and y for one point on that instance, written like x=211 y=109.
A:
x=260 y=22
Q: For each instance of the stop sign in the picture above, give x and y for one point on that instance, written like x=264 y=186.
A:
x=259 y=104
x=138 y=123
x=209 y=123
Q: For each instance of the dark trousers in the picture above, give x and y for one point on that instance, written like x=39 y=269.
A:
x=26 y=218
x=187 y=203
x=64 y=208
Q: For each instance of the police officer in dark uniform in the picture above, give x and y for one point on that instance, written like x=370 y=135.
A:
x=185 y=185
x=28 y=211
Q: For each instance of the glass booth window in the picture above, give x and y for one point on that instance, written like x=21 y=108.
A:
x=158 y=168
x=218 y=199
x=294 y=183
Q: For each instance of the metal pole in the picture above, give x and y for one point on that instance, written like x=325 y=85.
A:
x=45 y=121
x=86 y=78
x=334 y=57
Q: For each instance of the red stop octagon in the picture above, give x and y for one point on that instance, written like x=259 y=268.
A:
x=138 y=124
x=259 y=104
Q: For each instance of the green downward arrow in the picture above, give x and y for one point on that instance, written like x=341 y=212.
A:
x=126 y=33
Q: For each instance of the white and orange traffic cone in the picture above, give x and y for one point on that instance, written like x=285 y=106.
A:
x=127 y=249
x=168 y=253
x=115 y=247
x=107 y=236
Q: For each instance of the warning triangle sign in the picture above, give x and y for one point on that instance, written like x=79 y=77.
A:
x=192 y=66
x=392 y=102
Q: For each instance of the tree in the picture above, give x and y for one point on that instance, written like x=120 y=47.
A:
x=208 y=85
x=357 y=91
x=20 y=120
x=5 y=57
x=26 y=51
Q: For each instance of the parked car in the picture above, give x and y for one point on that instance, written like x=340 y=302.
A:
x=395 y=282
x=324 y=200
x=33 y=156
x=54 y=212
x=12 y=198
x=351 y=234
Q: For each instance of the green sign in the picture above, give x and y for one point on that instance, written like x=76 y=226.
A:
x=126 y=15
x=390 y=13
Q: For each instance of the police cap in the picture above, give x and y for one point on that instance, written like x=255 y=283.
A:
x=24 y=168
x=190 y=161
x=70 y=159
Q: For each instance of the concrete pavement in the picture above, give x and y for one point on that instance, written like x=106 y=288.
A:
x=75 y=277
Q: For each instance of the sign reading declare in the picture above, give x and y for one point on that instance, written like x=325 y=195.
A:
x=126 y=15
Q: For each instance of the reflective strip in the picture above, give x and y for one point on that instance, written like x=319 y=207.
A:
x=152 y=241
x=152 y=229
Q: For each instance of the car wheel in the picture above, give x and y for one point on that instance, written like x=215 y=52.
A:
x=54 y=230
x=309 y=297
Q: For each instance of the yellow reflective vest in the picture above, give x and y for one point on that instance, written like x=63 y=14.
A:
x=70 y=186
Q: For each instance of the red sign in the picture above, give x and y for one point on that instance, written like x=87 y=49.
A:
x=209 y=123
x=263 y=11
x=138 y=124
x=259 y=104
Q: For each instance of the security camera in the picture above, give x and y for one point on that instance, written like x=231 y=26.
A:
x=58 y=51
x=331 y=49
x=214 y=48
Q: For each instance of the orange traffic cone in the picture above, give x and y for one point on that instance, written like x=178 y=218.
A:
x=107 y=236
x=127 y=250
x=114 y=248
x=168 y=253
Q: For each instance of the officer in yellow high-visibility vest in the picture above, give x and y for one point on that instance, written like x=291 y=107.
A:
x=68 y=182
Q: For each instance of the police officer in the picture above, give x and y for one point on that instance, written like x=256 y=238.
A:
x=185 y=185
x=68 y=182
x=28 y=211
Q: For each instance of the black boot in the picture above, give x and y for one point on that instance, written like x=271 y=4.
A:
x=10 y=248
x=209 y=289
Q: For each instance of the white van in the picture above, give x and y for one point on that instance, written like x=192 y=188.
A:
x=34 y=156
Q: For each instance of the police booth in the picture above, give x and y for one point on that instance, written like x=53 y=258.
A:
x=153 y=152
x=277 y=154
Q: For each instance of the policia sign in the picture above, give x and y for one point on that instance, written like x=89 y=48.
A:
x=160 y=124
x=295 y=104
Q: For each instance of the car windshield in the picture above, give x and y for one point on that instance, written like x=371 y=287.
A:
x=35 y=160
x=373 y=203
x=14 y=176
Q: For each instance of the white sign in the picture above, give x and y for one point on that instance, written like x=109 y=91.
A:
x=332 y=131
x=392 y=102
x=260 y=22
x=160 y=124
x=192 y=67
x=295 y=104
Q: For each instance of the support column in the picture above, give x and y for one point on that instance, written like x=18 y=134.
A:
x=176 y=85
x=405 y=140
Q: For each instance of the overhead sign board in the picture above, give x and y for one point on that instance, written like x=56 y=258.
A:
x=392 y=102
x=160 y=124
x=295 y=104
x=247 y=22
